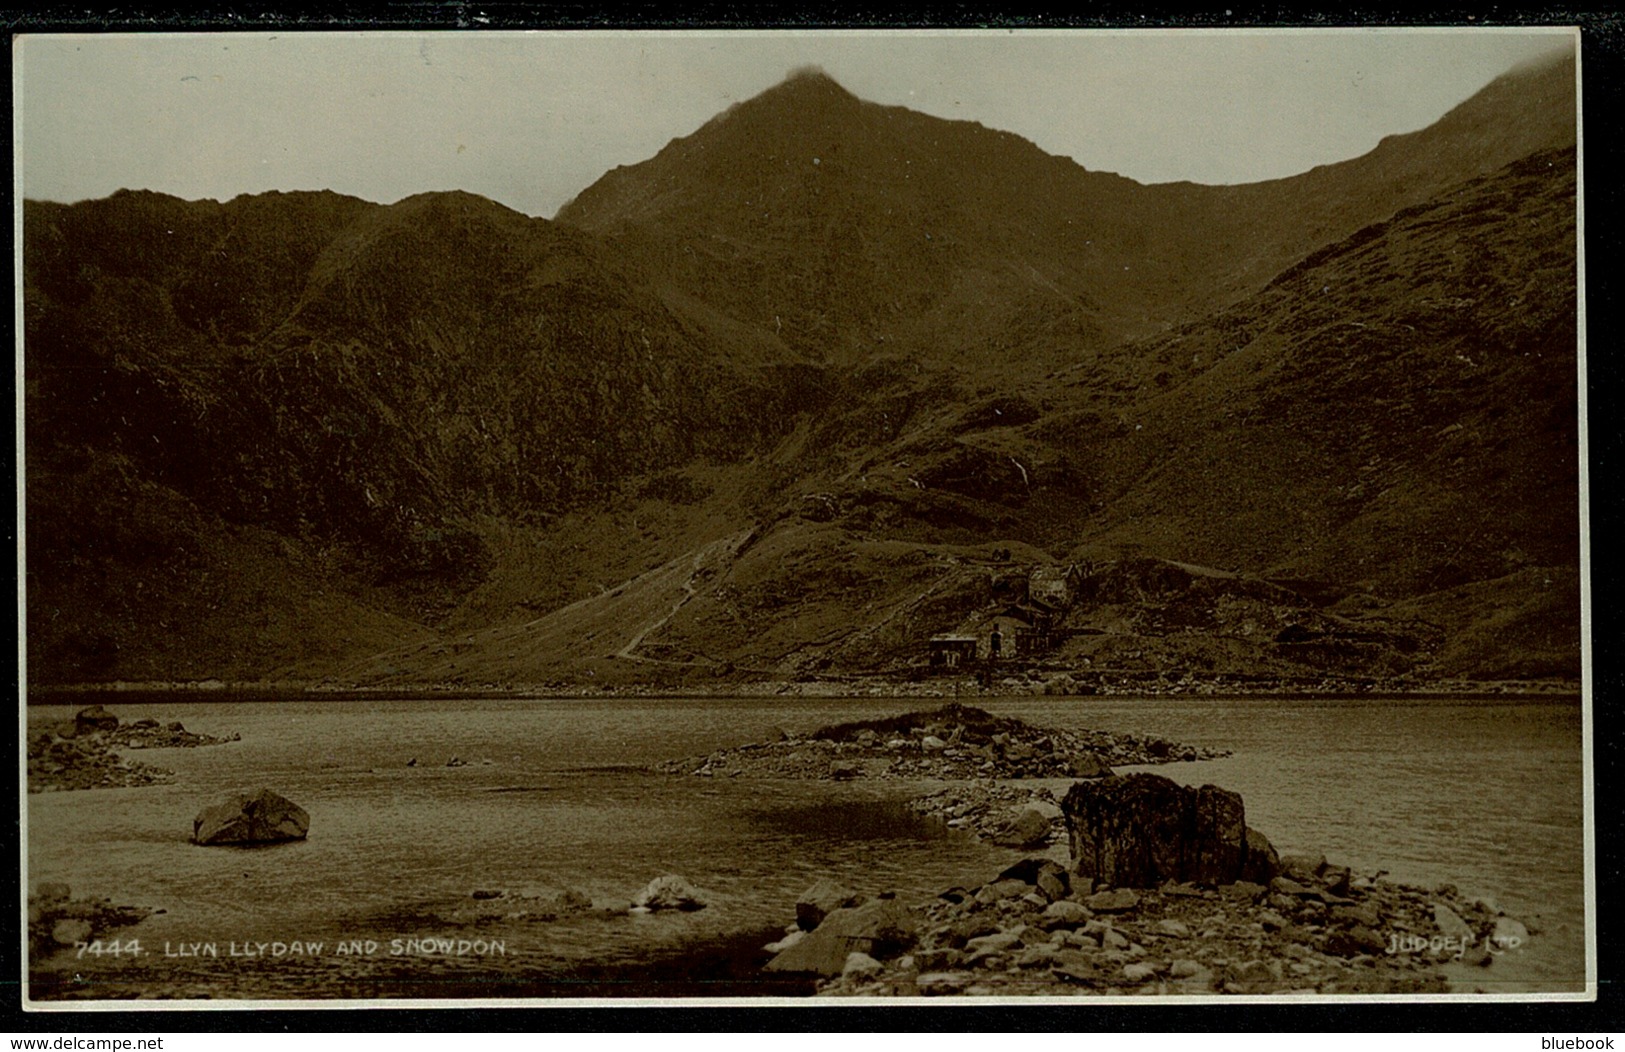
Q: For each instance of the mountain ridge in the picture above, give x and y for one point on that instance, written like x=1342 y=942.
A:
x=761 y=423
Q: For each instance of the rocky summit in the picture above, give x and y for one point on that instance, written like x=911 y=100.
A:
x=825 y=392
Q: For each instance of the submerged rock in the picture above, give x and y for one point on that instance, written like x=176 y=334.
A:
x=264 y=817
x=490 y=904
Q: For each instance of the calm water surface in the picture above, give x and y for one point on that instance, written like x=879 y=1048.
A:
x=1486 y=795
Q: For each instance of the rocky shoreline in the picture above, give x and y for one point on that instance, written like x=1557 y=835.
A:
x=1166 y=891
x=84 y=752
x=1008 y=815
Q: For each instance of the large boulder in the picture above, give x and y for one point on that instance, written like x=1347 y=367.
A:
x=820 y=900
x=1028 y=827
x=264 y=817
x=1143 y=830
x=879 y=928
x=669 y=892
x=93 y=719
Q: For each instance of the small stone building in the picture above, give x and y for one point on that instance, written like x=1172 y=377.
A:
x=952 y=651
x=1014 y=625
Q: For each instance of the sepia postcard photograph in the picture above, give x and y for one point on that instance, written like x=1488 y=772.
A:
x=613 y=517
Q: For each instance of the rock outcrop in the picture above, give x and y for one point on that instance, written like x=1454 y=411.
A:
x=1035 y=930
x=1143 y=830
x=1169 y=892
x=264 y=817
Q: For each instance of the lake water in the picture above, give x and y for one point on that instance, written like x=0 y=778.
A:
x=1483 y=794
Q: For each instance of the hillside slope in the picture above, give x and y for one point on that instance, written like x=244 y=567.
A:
x=438 y=361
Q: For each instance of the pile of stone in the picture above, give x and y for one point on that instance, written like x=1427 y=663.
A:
x=81 y=753
x=58 y=921
x=953 y=742
x=1219 y=913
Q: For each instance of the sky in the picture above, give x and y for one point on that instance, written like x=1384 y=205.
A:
x=531 y=119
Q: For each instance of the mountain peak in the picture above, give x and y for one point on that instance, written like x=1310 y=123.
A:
x=805 y=89
x=810 y=79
